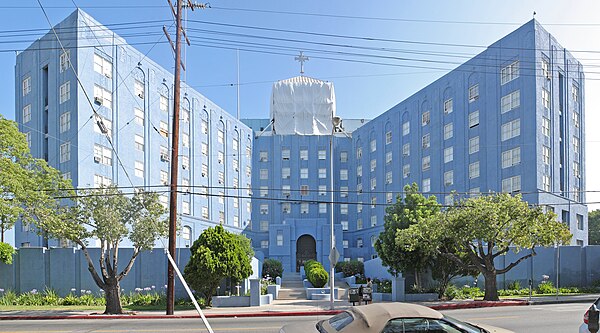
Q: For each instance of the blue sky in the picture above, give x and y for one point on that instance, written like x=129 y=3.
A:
x=337 y=37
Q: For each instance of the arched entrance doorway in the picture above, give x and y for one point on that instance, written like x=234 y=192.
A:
x=306 y=249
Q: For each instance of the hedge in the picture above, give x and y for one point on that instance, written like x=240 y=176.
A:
x=350 y=268
x=316 y=273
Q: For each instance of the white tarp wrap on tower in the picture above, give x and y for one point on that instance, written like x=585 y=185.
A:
x=302 y=106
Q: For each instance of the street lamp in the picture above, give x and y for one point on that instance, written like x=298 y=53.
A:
x=335 y=121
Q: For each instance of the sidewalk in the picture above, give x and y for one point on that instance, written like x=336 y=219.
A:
x=286 y=308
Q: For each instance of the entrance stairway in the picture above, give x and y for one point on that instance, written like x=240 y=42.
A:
x=292 y=287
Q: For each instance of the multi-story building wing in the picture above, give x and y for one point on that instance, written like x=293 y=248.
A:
x=101 y=112
x=508 y=120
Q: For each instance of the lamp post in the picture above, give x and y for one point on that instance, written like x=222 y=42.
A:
x=335 y=122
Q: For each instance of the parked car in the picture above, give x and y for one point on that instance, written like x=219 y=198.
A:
x=584 y=327
x=390 y=318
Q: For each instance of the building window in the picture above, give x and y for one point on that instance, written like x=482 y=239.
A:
x=576 y=119
x=359 y=172
x=448 y=131
x=322 y=173
x=449 y=200
x=344 y=174
x=235 y=144
x=575 y=93
x=304 y=173
x=304 y=190
x=101 y=181
x=545 y=98
x=263 y=191
x=388 y=177
x=576 y=144
x=373 y=202
x=263 y=156
x=389 y=197
x=359 y=207
x=359 y=152
x=473 y=93
x=425 y=118
x=546 y=155
x=511 y=184
x=64 y=60
x=102 y=155
x=285 y=154
x=406 y=149
x=373 y=145
x=139 y=142
x=220 y=157
x=448 y=154
x=359 y=242
x=185 y=208
x=65 y=92
x=388 y=157
x=264 y=225
x=373 y=165
x=279 y=237
x=138 y=89
x=546 y=183
x=345 y=243
x=65 y=122
x=373 y=183
x=449 y=178
x=579 y=221
x=304 y=154
x=474 y=118
x=405 y=170
x=359 y=224
x=344 y=225
x=304 y=206
x=220 y=136
x=286 y=207
x=448 y=106
x=139 y=116
x=474 y=192
x=205 y=213
x=576 y=170
x=185 y=162
x=285 y=173
x=426 y=163
x=185 y=114
x=164 y=177
x=405 y=128
x=322 y=154
x=65 y=152
x=510 y=101
x=344 y=191
x=373 y=220
x=264 y=209
x=28 y=139
x=101 y=65
x=264 y=174
x=546 y=69
x=264 y=244
x=322 y=208
x=27 y=114
x=426 y=141
x=388 y=137
x=344 y=156
x=474 y=170
x=163 y=103
x=546 y=126
x=322 y=190
x=204 y=129
x=204 y=170
x=509 y=72
x=185 y=140
x=26 y=85
x=511 y=157
x=510 y=130
x=344 y=209
x=473 y=145
x=103 y=126
x=102 y=96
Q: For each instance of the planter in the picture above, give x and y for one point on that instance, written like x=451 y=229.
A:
x=266 y=299
x=382 y=297
x=230 y=301
x=319 y=293
x=273 y=290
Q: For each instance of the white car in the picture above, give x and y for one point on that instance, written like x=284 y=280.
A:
x=390 y=318
x=584 y=327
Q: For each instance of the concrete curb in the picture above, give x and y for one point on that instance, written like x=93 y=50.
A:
x=478 y=304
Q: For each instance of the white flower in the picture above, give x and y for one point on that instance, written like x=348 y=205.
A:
x=147 y=289
x=73 y=290
x=88 y=292
x=153 y=287
x=138 y=289
x=1 y=290
x=34 y=291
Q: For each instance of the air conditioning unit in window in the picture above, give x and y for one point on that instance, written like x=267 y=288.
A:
x=108 y=75
x=140 y=95
x=263 y=159
x=285 y=211
x=97 y=159
x=203 y=174
x=183 y=166
x=448 y=183
x=164 y=157
x=236 y=169
x=220 y=161
x=98 y=100
x=220 y=181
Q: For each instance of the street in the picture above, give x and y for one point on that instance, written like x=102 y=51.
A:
x=558 y=318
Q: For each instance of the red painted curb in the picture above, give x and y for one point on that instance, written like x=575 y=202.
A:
x=477 y=304
x=209 y=315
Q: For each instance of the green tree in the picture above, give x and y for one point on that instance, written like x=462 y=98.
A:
x=271 y=269
x=6 y=253
x=28 y=185
x=405 y=212
x=478 y=230
x=109 y=216
x=594 y=227
x=218 y=254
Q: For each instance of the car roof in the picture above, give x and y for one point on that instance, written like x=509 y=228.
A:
x=378 y=312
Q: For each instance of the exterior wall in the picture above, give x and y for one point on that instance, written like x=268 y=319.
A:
x=208 y=190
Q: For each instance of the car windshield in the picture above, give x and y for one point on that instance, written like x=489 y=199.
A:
x=464 y=326
x=341 y=320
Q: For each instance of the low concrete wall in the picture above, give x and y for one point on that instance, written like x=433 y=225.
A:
x=273 y=290
x=266 y=299
x=312 y=292
x=230 y=301
x=421 y=297
x=382 y=297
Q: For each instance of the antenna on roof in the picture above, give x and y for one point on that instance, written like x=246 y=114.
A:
x=534 y=14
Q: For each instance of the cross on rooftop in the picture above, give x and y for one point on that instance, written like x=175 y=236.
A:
x=301 y=59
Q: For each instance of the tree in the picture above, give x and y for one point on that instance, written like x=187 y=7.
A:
x=217 y=254
x=109 y=216
x=27 y=184
x=405 y=212
x=271 y=269
x=478 y=230
x=594 y=227
x=6 y=253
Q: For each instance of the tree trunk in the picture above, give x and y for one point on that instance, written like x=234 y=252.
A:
x=491 y=290
x=112 y=295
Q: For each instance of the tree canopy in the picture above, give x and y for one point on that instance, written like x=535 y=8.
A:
x=218 y=254
x=594 y=227
x=27 y=185
x=110 y=216
x=477 y=230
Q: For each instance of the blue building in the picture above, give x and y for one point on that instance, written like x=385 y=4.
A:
x=100 y=111
x=508 y=120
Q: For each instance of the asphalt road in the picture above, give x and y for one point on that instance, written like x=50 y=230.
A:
x=559 y=318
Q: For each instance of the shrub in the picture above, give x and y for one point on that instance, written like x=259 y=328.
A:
x=546 y=288
x=350 y=268
x=515 y=285
x=383 y=285
x=271 y=269
x=316 y=274
x=6 y=253
x=451 y=292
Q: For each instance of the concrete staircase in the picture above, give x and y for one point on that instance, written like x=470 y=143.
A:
x=291 y=287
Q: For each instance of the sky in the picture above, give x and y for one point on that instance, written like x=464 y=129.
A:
x=376 y=53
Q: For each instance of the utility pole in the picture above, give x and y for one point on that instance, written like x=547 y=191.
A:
x=175 y=144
